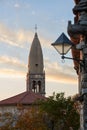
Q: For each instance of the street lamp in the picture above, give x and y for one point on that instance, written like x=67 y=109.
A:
x=63 y=45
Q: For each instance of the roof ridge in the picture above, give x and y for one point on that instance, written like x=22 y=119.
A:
x=26 y=93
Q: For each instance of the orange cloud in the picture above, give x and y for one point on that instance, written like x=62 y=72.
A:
x=54 y=71
x=11 y=73
x=58 y=73
x=19 y=37
x=9 y=63
x=13 y=67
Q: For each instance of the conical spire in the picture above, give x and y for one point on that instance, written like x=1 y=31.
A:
x=35 y=57
x=36 y=74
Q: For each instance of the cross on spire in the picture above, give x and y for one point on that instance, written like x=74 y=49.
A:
x=35 y=27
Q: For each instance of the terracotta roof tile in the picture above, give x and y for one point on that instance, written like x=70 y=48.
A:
x=25 y=98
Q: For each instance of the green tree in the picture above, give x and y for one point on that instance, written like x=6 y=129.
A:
x=6 y=121
x=61 y=112
x=29 y=119
x=55 y=113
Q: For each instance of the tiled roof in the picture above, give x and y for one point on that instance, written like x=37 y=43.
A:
x=24 y=98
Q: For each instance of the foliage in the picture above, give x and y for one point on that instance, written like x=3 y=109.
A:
x=62 y=112
x=26 y=120
x=31 y=120
x=7 y=120
x=55 y=113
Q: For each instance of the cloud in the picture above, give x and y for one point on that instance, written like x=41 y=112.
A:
x=10 y=64
x=54 y=71
x=11 y=73
x=58 y=73
x=18 y=37
x=24 y=5
x=33 y=12
x=15 y=37
x=7 y=35
x=16 y=5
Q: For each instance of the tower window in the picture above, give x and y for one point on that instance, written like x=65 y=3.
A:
x=34 y=86
x=39 y=86
x=36 y=65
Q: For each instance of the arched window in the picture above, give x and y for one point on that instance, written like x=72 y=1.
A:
x=34 y=86
x=39 y=86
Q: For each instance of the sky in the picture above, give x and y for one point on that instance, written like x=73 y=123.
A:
x=17 y=28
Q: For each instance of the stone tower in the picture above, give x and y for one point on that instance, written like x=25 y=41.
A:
x=36 y=74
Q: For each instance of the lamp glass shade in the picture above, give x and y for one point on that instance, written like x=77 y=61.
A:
x=62 y=48
x=62 y=44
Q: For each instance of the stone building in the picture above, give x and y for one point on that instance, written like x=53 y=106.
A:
x=35 y=83
x=78 y=35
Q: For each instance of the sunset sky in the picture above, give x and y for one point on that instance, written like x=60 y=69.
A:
x=17 y=29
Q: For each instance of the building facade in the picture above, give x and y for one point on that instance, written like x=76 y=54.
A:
x=35 y=83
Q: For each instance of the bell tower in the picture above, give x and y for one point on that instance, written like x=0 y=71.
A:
x=36 y=73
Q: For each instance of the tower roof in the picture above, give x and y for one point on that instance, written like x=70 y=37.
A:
x=35 y=57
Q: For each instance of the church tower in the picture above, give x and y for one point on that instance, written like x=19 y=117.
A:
x=36 y=74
